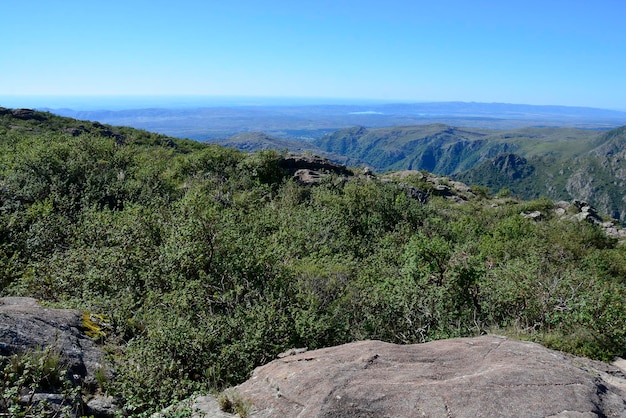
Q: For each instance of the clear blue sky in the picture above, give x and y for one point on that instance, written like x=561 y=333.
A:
x=566 y=52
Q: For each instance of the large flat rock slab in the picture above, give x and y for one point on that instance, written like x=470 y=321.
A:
x=487 y=376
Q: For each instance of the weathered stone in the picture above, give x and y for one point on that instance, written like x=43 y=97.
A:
x=311 y=169
x=416 y=194
x=455 y=198
x=295 y=162
x=27 y=114
x=103 y=407
x=76 y=131
x=585 y=216
x=580 y=204
x=306 y=176
x=442 y=190
x=293 y=352
x=26 y=325
x=614 y=232
x=534 y=215
x=488 y=376
x=460 y=187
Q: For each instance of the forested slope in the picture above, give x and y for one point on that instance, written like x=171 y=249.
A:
x=597 y=174
x=205 y=262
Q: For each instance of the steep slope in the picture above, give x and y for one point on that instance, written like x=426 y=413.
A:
x=597 y=176
x=601 y=175
x=438 y=148
x=560 y=163
x=443 y=149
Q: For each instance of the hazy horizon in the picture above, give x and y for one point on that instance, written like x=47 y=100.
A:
x=137 y=102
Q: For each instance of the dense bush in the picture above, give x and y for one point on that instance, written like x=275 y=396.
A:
x=208 y=262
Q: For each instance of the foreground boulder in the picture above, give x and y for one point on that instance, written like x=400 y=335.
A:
x=488 y=376
x=28 y=327
x=25 y=325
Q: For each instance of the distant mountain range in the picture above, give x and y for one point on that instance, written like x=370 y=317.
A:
x=307 y=122
x=560 y=163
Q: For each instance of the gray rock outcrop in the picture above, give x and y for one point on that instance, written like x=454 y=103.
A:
x=585 y=212
x=534 y=215
x=311 y=169
x=488 y=376
x=24 y=114
x=26 y=326
x=312 y=162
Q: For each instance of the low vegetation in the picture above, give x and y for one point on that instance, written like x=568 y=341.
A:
x=198 y=263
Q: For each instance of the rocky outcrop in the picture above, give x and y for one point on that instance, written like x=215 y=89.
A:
x=24 y=114
x=433 y=185
x=488 y=376
x=312 y=162
x=583 y=211
x=534 y=215
x=311 y=169
x=26 y=326
x=306 y=176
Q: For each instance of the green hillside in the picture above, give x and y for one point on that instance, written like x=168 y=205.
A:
x=204 y=262
x=256 y=141
x=595 y=172
x=560 y=163
x=443 y=149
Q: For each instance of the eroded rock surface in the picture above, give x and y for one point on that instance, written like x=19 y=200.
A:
x=26 y=326
x=488 y=376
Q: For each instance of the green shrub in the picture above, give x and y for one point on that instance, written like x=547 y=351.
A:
x=32 y=372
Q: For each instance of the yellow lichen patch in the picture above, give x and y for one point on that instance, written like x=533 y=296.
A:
x=93 y=325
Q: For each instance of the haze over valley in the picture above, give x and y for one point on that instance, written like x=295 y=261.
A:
x=208 y=118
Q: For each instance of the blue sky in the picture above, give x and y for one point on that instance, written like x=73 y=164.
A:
x=536 y=52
